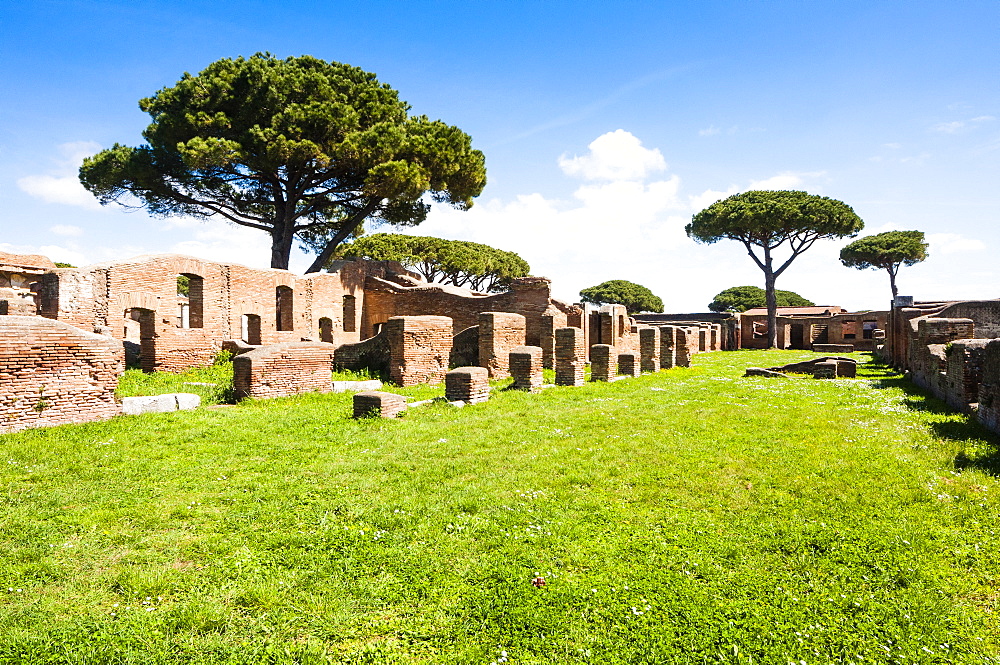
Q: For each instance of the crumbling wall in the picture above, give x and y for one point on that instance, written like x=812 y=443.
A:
x=280 y=370
x=465 y=348
x=989 y=390
x=52 y=373
x=419 y=348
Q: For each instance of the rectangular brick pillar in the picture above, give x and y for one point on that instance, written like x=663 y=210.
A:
x=467 y=384
x=628 y=364
x=571 y=356
x=378 y=404
x=603 y=362
x=649 y=349
x=526 y=367
x=685 y=346
x=499 y=332
x=547 y=337
x=703 y=338
x=419 y=348
x=668 y=347
x=716 y=332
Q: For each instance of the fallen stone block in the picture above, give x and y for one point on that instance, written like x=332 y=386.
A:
x=825 y=370
x=377 y=404
x=187 y=401
x=760 y=371
x=356 y=386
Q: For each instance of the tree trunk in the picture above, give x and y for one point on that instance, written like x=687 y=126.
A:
x=892 y=283
x=281 y=248
x=772 y=301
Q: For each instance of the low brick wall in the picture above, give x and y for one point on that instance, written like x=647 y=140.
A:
x=371 y=354
x=419 y=348
x=52 y=373
x=989 y=389
x=499 y=332
x=280 y=370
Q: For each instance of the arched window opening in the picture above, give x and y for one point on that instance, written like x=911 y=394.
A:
x=191 y=299
x=326 y=329
x=250 y=329
x=350 y=317
x=283 y=307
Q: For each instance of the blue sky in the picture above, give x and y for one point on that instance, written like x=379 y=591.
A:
x=604 y=126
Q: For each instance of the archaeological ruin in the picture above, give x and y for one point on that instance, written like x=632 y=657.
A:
x=68 y=333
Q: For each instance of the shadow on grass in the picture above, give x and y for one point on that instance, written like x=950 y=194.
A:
x=958 y=426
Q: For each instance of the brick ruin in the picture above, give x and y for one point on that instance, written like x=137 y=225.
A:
x=951 y=349
x=18 y=273
x=52 y=373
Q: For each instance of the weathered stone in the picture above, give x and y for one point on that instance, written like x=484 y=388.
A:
x=825 y=370
x=132 y=406
x=356 y=386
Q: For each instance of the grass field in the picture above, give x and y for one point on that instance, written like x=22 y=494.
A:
x=691 y=516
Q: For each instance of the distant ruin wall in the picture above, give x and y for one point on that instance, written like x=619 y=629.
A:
x=52 y=373
x=281 y=370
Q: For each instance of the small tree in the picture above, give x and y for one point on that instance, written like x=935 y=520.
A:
x=742 y=298
x=462 y=263
x=764 y=221
x=290 y=147
x=635 y=297
x=887 y=251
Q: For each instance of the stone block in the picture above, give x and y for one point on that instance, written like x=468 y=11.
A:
x=825 y=370
x=847 y=369
x=628 y=364
x=467 y=384
x=132 y=406
x=378 y=404
x=187 y=401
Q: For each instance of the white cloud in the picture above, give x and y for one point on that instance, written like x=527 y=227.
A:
x=786 y=180
x=54 y=252
x=951 y=243
x=955 y=126
x=62 y=185
x=617 y=155
x=711 y=130
x=66 y=230
x=708 y=197
x=225 y=242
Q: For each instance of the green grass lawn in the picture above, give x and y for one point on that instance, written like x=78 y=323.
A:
x=691 y=516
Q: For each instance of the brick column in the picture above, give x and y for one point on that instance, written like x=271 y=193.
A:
x=526 y=367
x=571 y=356
x=603 y=362
x=419 y=348
x=628 y=364
x=649 y=349
x=467 y=384
x=499 y=332
x=550 y=322
x=668 y=347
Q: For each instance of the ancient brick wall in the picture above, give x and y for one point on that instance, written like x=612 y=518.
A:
x=226 y=301
x=52 y=373
x=686 y=345
x=964 y=372
x=989 y=389
x=280 y=370
x=419 y=348
x=529 y=297
x=571 y=356
x=499 y=333
x=628 y=364
x=372 y=354
x=465 y=348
